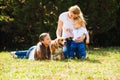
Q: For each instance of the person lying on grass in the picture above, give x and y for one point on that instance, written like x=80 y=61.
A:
x=42 y=49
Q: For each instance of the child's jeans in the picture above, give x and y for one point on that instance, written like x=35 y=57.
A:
x=24 y=53
x=21 y=54
x=79 y=48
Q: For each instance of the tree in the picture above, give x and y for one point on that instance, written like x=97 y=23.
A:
x=22 y=21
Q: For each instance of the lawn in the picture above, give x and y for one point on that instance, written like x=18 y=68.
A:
x=101 y=64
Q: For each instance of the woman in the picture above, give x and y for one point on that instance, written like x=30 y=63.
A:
x=65 y=24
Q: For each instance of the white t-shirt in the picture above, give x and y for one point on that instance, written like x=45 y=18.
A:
x=79 y=32
x=67 y=23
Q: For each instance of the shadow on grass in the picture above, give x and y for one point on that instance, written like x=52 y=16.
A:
x=92 y=60
x=82 y=60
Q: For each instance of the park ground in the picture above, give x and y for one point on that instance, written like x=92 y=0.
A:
x=101 y=64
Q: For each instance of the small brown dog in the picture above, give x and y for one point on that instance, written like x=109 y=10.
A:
x=56 y=48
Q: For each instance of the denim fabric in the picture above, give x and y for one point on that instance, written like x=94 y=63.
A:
x=79 y=48
x=24 y=53
x=21 y=54
x=29 y=50
x=66 y=48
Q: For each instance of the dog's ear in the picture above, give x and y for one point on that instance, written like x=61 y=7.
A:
x=54 y=44
x=56 y=41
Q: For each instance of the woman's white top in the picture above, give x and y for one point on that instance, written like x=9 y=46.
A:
x=67 y=24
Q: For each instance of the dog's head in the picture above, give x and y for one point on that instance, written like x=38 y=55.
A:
x=56 y=46
x=61 y=41
x=58 y=42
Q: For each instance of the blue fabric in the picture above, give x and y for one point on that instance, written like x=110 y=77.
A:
x=79 y=48
x=24 y=53
x=29 y=50
x=21 y=54
x=66 y=48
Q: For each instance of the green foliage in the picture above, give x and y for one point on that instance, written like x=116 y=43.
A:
x=22 y=21
x=101 y=21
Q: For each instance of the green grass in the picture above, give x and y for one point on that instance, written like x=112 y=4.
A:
x=101 y=64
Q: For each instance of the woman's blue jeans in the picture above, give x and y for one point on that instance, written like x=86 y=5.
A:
x=66 y=48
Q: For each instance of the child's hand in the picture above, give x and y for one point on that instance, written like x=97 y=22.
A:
x=71 y=35
x=67 y=29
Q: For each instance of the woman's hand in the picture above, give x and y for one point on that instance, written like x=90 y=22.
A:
x=80 y=39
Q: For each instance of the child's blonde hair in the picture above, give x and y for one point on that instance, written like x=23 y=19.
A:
x=80 y=20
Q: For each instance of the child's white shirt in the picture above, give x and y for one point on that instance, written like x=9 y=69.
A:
x=79 y=32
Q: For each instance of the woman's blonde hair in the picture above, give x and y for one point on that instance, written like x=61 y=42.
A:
x=76 y=10
x=82 y=18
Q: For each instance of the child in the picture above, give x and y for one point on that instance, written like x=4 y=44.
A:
x=42 y=48
x=79 y=31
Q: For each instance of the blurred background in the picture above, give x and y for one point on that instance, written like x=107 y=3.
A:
x=22 y=21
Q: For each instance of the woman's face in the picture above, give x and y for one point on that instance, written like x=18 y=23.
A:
x=72 y=15
x=47 y=40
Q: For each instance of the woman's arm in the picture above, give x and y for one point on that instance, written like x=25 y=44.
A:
x=59 y=29
x=80 y=39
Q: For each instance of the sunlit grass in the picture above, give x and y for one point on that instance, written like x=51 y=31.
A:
x=101 y=64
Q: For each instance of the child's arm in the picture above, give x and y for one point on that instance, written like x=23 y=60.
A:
x=87 y=38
